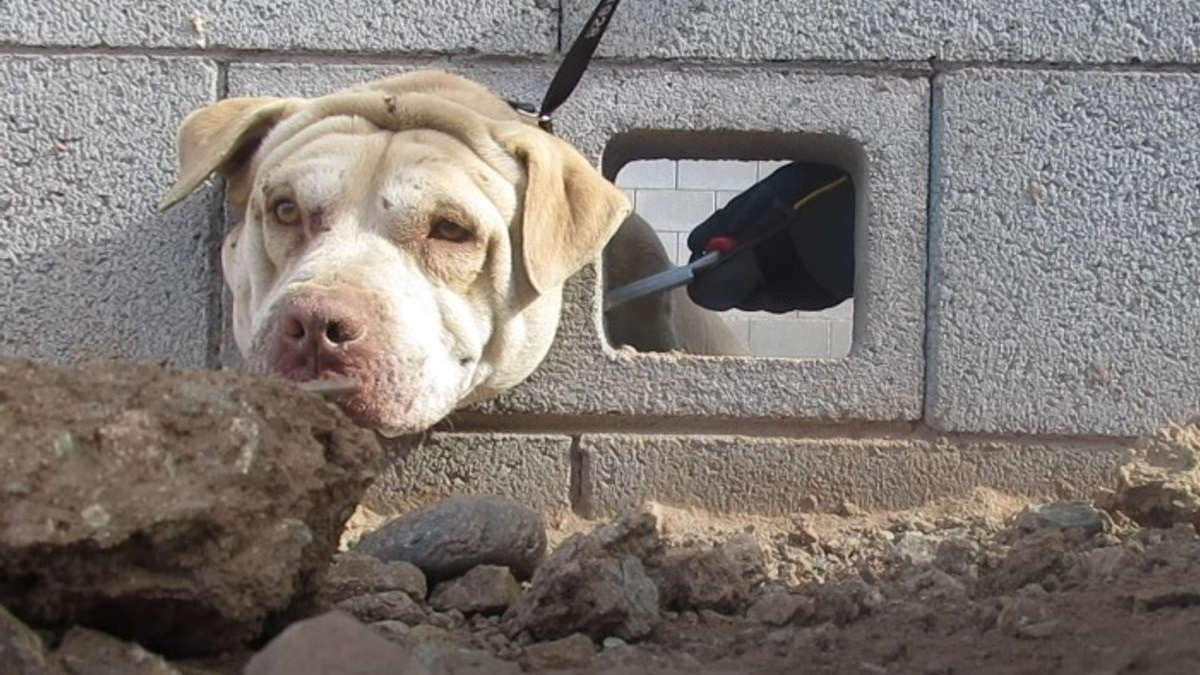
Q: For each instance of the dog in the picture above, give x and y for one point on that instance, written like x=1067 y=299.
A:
x=414 y=234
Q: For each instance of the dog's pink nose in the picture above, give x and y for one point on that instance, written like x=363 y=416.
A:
x=315 y=334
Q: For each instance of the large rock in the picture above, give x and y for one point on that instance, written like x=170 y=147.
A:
x=332 y=643
x=595 y=584
x=448 y=538
x=722 y=578
x=179 y=509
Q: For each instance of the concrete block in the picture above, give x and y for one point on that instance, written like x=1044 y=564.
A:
x=87 y=266
x=757 y=115
x=648 y=173
x=678 y=210
x=716 y=175
x=723 y=197
x=767 y=168
x=536 y=469
x=780 y=477
x=1063 y=292
x=790 y=338
x=402 y=26
x=1093 y=31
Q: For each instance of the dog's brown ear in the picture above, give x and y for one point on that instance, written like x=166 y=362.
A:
x=571 y=211
x=217 y=137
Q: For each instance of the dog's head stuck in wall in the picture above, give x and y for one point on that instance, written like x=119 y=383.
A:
x=412 y=234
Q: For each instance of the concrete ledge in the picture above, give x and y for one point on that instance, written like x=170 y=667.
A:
x=780 y=477
x=770 y=115
x=87 y=266
x=535 y=469
x=346 y=26
x=1063 y=272
x=1156 y=31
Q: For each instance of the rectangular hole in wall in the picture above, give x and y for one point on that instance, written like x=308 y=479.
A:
x=676 y=180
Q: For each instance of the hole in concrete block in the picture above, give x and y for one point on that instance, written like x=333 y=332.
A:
x=677 y=180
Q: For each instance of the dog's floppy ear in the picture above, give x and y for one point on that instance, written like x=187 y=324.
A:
x=217 y=137
x=571 y=211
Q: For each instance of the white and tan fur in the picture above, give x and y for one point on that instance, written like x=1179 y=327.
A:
x=429 y=231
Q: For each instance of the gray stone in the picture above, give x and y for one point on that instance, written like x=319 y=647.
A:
x=488 y=26
x=917 y=548
x=882 y=126
x=721 y=578
x=595 y=584
x=1068 y=515
x=899 y=30
x=448 y=538
x=486 y=589
x=385 y=606
x=87 y=267
x=1062 y=272
x=359 y=574
x=178 y=508
x=731 y=474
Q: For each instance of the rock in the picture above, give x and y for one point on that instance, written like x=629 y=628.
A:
x=721 y=578
x=1066 y=515
x=88 y=652
x=595 y=584
x=1161 y=485
x=22 y=651
x=332 y=643
x=178 y=509
x=354 y=574
x=1025 y=616
x=386 y=606
x=958 y=556
x=779 y=609
x=917 y=548
x=486 y=589
x=448 y=538
x=574 y=651
x=440 y=659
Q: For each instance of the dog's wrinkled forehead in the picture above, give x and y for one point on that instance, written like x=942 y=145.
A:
x=450 y=105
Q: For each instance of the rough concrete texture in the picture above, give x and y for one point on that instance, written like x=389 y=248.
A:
x=1094 y=31
x=534 y=469
x=404 y=26
x=86 y=265
x=1063 y=296
x=888 y=116
x=729 y=474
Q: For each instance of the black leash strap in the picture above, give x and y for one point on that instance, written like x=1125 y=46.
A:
x=573 y=65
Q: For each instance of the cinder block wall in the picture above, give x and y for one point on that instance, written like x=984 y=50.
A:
x=1027 y=296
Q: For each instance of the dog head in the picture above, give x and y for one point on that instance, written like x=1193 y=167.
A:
x=413 y=234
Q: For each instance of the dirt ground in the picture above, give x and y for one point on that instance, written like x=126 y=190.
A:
x=990 y=585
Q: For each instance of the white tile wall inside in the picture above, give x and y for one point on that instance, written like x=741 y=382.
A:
x=674 y=196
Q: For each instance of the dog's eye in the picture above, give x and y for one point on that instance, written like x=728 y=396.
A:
x=449 y=230
x=286 y=212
